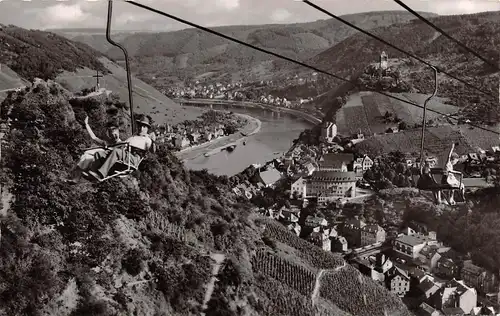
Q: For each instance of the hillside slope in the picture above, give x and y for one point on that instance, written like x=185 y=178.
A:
x=26 y=54
x=190 y=53
x=365 y=111
x=146 y=98
x=144 y=245
x=479 y=31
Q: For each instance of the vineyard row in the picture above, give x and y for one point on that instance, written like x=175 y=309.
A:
x=316 y=256
x=295 y=276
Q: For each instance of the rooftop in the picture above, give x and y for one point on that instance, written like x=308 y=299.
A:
x=334 y=176
x=270 y=176
x=354 y=223
x=427 y=308
x=398 y=271
x=472 y=268
x=314 y=220
x=426 y=285
x=413 y=240
x=453 y=311
x=372 y=228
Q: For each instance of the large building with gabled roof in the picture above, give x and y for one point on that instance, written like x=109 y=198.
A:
x=336 y=162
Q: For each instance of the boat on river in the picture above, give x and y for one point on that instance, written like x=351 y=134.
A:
x=230 y=148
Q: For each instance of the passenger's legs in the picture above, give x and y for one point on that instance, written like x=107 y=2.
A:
x=115 y=155
x=83 y=164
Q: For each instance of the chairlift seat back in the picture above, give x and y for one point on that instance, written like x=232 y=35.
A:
x=123 y=168
x=435 y=180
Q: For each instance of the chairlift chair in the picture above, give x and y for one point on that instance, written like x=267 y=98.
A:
x=435 y=180
x=121 y=168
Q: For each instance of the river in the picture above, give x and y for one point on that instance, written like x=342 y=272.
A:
x=278 y=130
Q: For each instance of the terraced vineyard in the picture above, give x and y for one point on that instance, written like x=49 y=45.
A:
x=283 y=300
x=315 y=256
x=437 y=142
x=373 y=114
x=480 y=137
x=295 y=276
x=354 y=121
x=355 y=293
x=364 y=111
x=154 y=221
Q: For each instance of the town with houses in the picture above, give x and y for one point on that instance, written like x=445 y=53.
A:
x=413 y=263
x=192 y=133
x=239 y=91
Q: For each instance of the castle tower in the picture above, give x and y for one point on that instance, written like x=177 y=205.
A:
x=384 y=61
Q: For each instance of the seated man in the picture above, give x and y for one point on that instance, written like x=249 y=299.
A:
x=140 y=144
x=88 y=157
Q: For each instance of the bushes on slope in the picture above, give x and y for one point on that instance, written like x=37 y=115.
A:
x=72 y=229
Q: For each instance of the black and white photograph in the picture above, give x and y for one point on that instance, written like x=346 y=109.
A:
x=250 y=158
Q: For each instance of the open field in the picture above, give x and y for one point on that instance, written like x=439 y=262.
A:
x=9 y=79
x=481 y=138
x=364 y=111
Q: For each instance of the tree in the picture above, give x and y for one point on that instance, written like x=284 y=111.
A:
x=369 y=175
x=400 y=168
x=402 y=125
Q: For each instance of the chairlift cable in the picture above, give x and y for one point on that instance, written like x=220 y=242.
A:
x=232 y=39
x=395 y=47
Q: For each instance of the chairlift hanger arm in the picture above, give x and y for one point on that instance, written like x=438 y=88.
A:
x=424 y=117
x=127 y=65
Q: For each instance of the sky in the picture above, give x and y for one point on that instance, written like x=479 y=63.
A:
x=47 y=14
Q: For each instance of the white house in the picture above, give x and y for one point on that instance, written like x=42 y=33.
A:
x=411 y=245
x=362 y=164
x=328 y=132
x=299 y=186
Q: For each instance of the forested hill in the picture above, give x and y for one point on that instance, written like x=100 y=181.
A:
x=32 y=53
x=477 y=31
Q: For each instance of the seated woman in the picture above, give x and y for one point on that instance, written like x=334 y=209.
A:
x=427 y=181
x=89 y=156
x=139 y=144
x=450 y=177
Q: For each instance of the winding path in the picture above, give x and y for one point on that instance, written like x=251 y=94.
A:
x=219 y=258
x=314 y=296
x=317 y=285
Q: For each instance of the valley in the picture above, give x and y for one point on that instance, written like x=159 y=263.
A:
x=322 y=216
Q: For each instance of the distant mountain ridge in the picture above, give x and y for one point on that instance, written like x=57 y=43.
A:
x=173 y=56
x=478 y=31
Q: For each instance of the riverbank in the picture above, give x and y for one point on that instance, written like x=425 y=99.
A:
x=305 y=116
x=253 y=126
